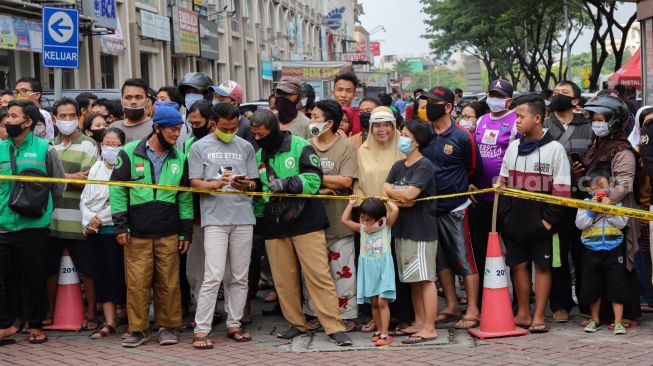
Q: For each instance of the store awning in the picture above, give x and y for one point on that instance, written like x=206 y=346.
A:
x=630 y=74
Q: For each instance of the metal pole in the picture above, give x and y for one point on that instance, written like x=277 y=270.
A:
x=568 y=70
x=58 y=81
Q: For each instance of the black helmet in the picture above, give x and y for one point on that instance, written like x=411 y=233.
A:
x=614 y=109
x=197 y=80
x=307 y=91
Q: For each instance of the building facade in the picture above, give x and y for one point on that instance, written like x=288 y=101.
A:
x=162 y=40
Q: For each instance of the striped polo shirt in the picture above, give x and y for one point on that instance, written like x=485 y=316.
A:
x=78 y=156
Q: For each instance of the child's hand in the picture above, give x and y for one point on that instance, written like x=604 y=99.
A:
x=606 y=200
x=353 y=200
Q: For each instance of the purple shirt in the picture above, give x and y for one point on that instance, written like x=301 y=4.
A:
x=493 y=137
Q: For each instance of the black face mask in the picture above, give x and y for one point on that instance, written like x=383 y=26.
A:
x=97 y=134
x=435 y=111
x=270 y=142
x=526 y=147
x=561 y=103
x=201 y=131
x=287 y=109
x=134 y=114
x=162 y=140
x=14 y=130
x=365 y=120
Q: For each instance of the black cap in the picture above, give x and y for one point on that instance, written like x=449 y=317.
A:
x=502 y=87
x=439 y=93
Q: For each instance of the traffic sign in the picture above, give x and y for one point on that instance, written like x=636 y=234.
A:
x=60 y=37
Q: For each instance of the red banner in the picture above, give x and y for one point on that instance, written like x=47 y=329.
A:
x=375 y=47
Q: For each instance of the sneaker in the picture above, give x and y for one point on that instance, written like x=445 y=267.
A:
x=592 y=326
x=619 y=329
x=384 y=341
x=341 y=339
x=290 y=333
x=135 y=339
x=561 y=316
x=167 y=337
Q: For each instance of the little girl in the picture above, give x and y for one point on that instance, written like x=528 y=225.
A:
x=376 y=273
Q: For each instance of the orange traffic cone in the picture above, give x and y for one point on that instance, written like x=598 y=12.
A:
x=497 y=319
x=69 y=306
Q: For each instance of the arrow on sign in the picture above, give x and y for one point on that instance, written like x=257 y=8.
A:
x=57 y=27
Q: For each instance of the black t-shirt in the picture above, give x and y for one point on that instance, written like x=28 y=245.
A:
x=419 y=221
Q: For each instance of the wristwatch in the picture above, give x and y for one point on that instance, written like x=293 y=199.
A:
x=250 y=186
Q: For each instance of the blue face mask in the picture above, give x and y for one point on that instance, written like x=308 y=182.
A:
x=191 y=98
x=403 y=144
x=214 y=103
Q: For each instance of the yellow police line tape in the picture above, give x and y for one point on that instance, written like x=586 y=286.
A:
x=545 y=198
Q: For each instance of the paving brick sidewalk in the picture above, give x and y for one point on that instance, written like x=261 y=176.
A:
x=566 y=344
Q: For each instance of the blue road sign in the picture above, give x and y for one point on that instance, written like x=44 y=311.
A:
x=60 y=37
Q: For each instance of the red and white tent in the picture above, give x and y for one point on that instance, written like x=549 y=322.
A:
x=630 y=74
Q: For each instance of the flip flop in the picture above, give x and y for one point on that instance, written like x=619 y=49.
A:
x=400 y=333
x=470 y=320
x=239 y=336
x=204 y=339
x=32 y=338
x=539 y=328
x=6 y=342
x=413 y=339
x=525 y=326
x=646 y=309
x=445 y=317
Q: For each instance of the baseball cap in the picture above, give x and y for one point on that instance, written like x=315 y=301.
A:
x=230 y=89
x=439 y=93
x=382 y=114
x=166 y=116
x=502 y=87
x=289 y=85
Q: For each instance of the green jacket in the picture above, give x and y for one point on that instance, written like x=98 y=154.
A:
x=35 y=153
x=297 y=164
x=147 y=212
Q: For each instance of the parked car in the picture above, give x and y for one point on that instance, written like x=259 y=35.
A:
x=251 y=107
x=47 y=98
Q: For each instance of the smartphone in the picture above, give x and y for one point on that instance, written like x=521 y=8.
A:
x=240 y=177
x=575 y=157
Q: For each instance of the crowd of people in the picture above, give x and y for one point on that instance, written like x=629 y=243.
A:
x=381 y=254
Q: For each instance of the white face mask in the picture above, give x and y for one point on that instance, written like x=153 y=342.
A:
x=317 y=128
x=600 y=129
x=67 y=128
x=110 y=154
x=496 y=104
x=465 y=123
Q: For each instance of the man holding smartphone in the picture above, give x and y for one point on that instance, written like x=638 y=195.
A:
x=222 y=161
x=574 y=132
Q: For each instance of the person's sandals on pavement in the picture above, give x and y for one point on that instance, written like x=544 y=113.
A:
x=201 y=341
x=238 y=335
x=104 y=331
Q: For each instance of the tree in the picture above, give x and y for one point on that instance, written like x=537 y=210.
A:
x=439 y=75
x=402 y=67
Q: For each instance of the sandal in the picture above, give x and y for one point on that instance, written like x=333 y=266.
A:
x=444 y=317
x=187 y=327
x=369 y=327
x=349 y=325
x=238 y=335
x=539 y=328
x=375 y=337
x=415 y=339
x=314 y=325
x=36 y=336
x=205 y=339
x=472 y=322
x=87 y=321
x=101 y=333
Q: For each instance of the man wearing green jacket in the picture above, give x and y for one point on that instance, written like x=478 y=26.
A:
x=23 y=240
x=154 y=226
x=289 y=164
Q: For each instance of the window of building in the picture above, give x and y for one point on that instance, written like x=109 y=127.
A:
x=107 y=71
x=145 y=67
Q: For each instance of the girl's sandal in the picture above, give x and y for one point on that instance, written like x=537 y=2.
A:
x=103 y=331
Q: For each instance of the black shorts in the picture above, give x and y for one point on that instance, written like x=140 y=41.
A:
x=527 y=241
x=81 y=253
x=454 y=244
x=604 y=276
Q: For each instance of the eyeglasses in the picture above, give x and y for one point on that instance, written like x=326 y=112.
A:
x=467 y=116
x=111 y=145
x=22 y=92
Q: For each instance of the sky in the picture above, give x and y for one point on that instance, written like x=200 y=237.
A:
x=404 y=24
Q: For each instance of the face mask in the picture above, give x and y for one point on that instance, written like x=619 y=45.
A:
x=403 y=144
x=374 y=227
x=67 y=128
x=287 y=110
x=200 y=132
x=317 y=128
x=39 y=131
x=162 y=140
x=421 y=113
x=214 y=103
x=527 y=147
x=561 y=103
x=97 y=134
x=110 y=154
x=162 y=103
x=225 y=137
x=133 y=113
x=14 y=130
x=435 y=111
x=465 y=123
x=270 y=142
x=496 y=104
x=191 y=98
x=304 y=102
x=22 y=97
x=365 y=120
x=600 y=129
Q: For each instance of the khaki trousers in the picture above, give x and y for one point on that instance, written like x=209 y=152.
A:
x=153 y=263
x=306 y=253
